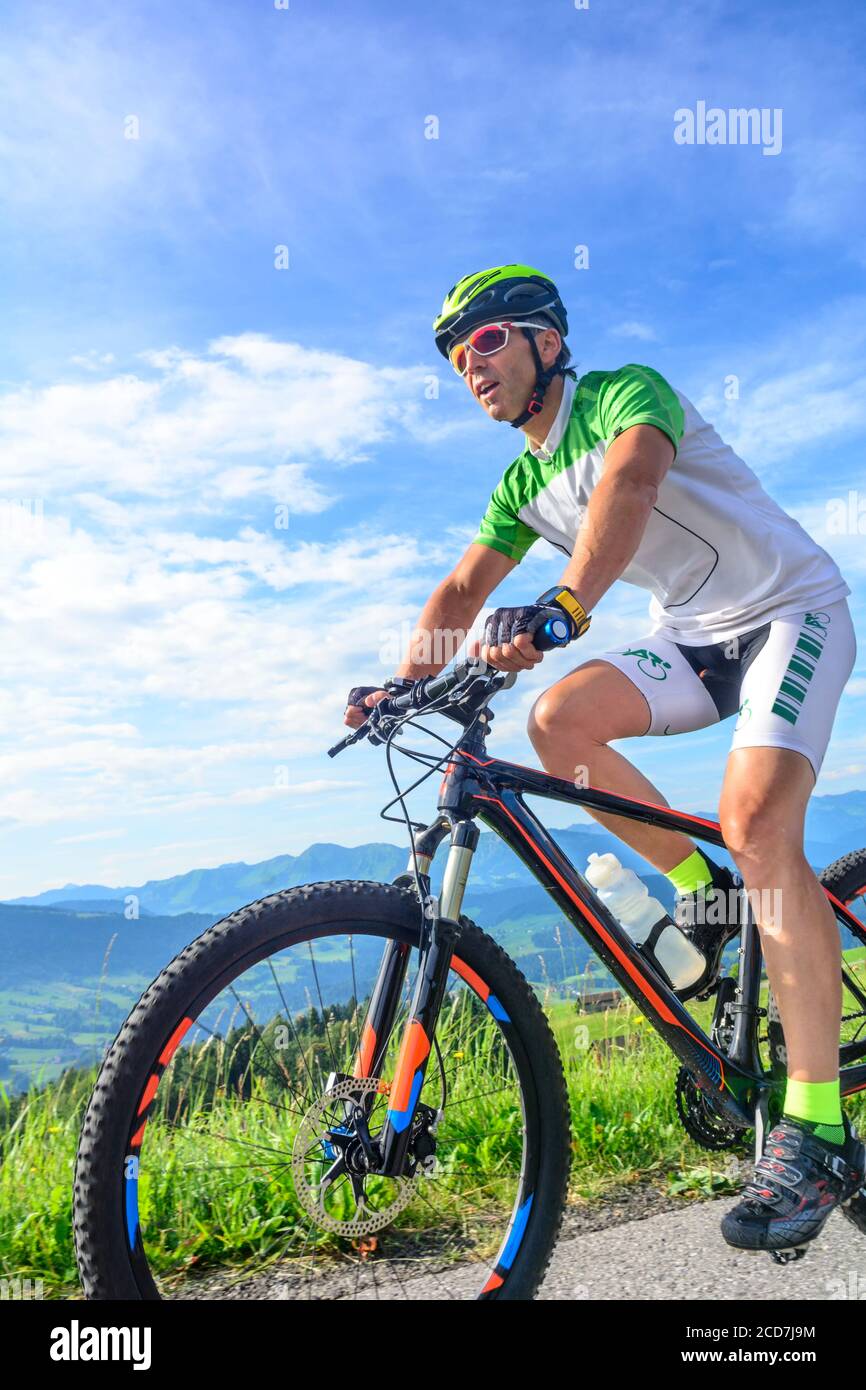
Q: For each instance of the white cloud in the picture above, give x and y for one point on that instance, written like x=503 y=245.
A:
x=239 y=415
x=115 y=833
x=162 y=655
x=632 y=328
x=799 y=390
x=92 y=361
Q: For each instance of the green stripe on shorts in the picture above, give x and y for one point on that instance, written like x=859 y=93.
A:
x=801 y=667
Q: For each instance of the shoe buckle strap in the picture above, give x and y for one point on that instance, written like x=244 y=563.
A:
x=762 y=1194
x=837 y=1165
x=780 y=1172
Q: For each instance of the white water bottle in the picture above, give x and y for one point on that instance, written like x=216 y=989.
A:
x=629 y=900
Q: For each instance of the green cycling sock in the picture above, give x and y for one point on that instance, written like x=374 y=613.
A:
x=693 y=874
x=818 y=1106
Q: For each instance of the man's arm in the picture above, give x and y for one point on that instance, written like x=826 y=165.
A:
x=451 y=609
x=618 y=511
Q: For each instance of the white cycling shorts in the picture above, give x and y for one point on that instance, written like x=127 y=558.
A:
x=783 y=681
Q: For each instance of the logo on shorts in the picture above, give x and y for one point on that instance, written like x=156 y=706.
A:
x=821 y=620
x=744 y=714
x=650 y=663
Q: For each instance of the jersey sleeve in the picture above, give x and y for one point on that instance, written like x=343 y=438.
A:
x=640 y=396
x=501 y=528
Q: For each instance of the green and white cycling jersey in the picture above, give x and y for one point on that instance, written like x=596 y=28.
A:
x=718 y=555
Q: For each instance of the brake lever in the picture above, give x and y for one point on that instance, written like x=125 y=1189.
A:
x=367 y=729
x=348 y=741
x=502 y=680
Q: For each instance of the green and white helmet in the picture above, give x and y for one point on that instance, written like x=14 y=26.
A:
x=514 y=292
x=511 y=291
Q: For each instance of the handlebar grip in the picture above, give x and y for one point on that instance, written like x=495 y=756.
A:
x=434 y=687
x=554 y=633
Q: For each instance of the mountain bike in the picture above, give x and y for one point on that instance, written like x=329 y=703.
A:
x=353 y=1089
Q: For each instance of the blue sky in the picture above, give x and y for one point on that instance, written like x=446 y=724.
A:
x=175 y=664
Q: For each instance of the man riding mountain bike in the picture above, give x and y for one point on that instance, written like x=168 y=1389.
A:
x=749 y=617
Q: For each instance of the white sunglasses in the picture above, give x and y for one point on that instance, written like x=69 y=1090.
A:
x=489 y=338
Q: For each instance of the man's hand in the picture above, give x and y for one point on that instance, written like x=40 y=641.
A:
x=519 y=655
x=511 y=634
x=507 y=641
x=362 y=698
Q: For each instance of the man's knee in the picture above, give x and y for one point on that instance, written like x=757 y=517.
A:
x=594 y=705
x=547 y=716
x=757 y=829
x=763 y=804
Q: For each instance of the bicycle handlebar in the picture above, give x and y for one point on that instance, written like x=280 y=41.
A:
x=554 y=633
x=431 y=692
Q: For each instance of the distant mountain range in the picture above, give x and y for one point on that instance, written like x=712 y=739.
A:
x=74 y=959
x=835 y=825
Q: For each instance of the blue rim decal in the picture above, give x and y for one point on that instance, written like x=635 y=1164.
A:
x=496 y=1009
x=130 y=1173
x=515 y=1235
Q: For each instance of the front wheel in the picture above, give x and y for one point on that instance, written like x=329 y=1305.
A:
x=221 y=1146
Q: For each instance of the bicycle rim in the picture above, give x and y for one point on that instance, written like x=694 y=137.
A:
x=235 y=1131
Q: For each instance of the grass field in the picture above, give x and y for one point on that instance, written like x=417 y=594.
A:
x=624 y=1130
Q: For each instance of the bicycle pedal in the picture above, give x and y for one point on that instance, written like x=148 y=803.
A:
x=786 y=1257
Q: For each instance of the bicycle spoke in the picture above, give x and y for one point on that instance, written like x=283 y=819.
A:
x=288 y=1016
x=322 y=1008
x=246 y=1121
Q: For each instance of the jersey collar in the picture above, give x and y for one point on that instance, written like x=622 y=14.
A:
x=546 y=450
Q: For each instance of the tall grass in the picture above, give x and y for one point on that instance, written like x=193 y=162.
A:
x=38 y=1140
x=216 y=1115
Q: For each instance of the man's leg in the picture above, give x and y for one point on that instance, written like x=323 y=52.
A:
x=571 y=725
x=812 y=1161
x=789 y=698
x=762 y=813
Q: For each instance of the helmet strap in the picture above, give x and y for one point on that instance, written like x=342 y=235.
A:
x=543 y=377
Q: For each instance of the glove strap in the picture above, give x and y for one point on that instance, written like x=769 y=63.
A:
x=567 y=600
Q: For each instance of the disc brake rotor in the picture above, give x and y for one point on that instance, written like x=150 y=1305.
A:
x=325 y=1166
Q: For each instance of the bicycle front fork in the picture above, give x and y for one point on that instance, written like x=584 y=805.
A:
x=441 y=933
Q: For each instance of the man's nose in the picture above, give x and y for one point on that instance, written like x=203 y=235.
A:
x=474 y=360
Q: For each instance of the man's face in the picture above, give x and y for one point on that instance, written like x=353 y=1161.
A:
x=504 y=382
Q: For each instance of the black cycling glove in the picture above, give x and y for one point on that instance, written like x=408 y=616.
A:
x=397 y=685
x=557 y=604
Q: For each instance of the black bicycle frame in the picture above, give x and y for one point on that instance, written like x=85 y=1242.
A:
x=492 y=790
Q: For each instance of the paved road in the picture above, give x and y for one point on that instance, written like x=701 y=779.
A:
x=637 y=1243
x=681 y=1255
x=674 y=1255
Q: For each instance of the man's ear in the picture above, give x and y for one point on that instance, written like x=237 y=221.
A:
x=549 y=345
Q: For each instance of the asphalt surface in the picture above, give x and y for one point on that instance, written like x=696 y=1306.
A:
x=673 y=1254
x=681 y=1255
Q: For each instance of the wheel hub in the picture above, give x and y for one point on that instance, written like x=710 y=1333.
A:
x=330 y=1167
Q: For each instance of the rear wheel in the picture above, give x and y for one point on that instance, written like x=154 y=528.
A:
x=220 y=1146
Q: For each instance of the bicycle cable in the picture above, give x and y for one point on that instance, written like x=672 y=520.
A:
x=402 y=793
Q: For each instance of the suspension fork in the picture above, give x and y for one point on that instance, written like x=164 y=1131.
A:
x=385 y=998
x=441 y=937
